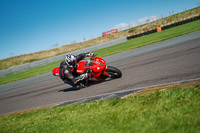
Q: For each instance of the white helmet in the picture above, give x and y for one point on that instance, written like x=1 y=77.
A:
x=70 y=60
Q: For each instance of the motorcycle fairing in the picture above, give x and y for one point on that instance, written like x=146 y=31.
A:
x=55 y=71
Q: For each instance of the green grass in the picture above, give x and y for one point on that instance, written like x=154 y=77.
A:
x=131 y=44
x=149 y=39
x=29 y=73
x=171 y=111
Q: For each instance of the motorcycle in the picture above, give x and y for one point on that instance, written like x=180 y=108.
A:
x=97 y=68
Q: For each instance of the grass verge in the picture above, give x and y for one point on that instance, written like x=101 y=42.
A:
x=29 y=73
x=131 y=44
x=173 y=110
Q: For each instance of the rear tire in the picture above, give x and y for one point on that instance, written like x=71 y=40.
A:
x=114 y=72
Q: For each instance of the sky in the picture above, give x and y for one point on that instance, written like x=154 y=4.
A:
x=28 y=26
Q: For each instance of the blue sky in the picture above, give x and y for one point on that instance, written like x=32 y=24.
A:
x=28 y=26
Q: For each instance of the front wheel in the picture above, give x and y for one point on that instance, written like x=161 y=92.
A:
x=114 y=72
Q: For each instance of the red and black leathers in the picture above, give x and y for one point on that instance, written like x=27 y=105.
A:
x=68 y=74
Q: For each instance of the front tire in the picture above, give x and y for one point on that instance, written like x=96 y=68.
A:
x=114 y=72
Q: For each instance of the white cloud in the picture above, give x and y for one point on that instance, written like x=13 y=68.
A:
x=133 y=24
x=147 y=20
x=122 y=26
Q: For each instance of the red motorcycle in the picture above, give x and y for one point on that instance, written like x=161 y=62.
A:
x=98 y=69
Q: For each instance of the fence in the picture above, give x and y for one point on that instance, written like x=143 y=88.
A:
x=165 y=27
x=59 y=57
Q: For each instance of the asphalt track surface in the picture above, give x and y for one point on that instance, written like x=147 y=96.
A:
x=168 y=61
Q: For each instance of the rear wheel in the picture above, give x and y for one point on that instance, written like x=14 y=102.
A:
x=114 y=72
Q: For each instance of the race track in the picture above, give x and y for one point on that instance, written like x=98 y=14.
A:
x=156 y=64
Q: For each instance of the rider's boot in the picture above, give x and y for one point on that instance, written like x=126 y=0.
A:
x=79 y=86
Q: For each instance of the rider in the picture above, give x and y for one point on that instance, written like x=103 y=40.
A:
x=67 y=69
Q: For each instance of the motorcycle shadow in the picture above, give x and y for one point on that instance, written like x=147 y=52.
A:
x=68 y=89
x=89 y=85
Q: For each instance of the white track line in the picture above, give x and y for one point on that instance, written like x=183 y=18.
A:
x=141 y=88
x=101 y=95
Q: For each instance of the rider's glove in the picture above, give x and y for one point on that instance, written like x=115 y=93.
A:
x=90 y=54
